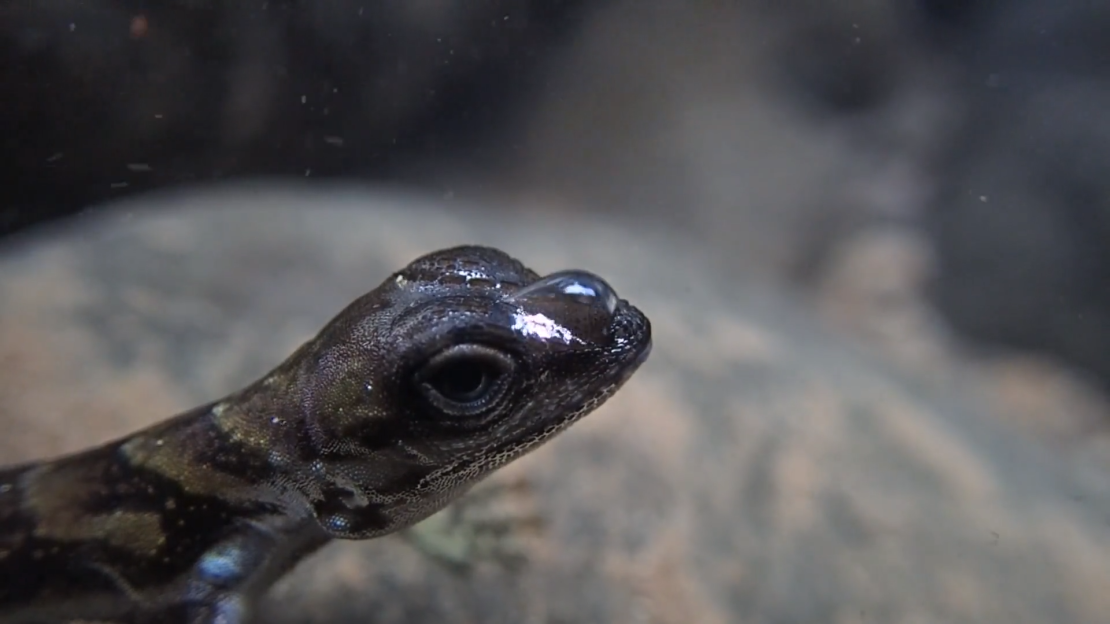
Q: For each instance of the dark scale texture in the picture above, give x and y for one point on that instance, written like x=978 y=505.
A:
x=407 y=398
x=754 y=470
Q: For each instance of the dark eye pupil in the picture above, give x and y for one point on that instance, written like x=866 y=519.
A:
x=465 y=380
x=461 y=381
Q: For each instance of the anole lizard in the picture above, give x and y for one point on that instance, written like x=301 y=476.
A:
x=457 y=364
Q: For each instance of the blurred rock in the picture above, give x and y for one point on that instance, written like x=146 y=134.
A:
x=768 y=131
x=758 y=469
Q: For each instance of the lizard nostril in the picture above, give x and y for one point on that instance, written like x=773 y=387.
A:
x=576 y=286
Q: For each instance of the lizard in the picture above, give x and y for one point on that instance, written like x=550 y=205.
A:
x=457 y=364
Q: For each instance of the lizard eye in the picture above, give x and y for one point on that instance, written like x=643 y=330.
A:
x=465 y=380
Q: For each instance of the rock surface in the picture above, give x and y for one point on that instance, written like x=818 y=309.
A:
x=757 y=469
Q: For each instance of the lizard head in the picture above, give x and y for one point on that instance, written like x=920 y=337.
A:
x=454 y=366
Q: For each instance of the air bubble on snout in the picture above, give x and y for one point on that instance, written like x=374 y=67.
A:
x=570 y=286
x=569 y=307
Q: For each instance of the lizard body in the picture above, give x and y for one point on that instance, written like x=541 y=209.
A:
x=454 y=366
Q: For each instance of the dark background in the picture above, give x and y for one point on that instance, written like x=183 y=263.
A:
x=983 y=126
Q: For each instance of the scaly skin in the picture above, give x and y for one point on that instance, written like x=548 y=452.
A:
x=454 y=366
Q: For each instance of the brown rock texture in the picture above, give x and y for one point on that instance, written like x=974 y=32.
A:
x=758 y=469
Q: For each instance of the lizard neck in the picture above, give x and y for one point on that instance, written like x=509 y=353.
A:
x=179 y=508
